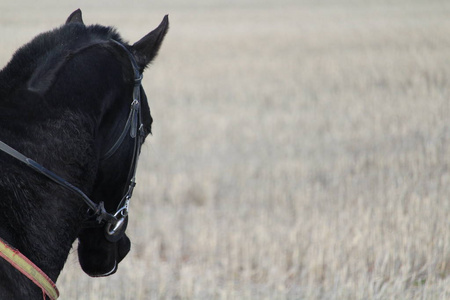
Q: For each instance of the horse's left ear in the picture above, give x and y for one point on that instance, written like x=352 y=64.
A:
x=147 y=48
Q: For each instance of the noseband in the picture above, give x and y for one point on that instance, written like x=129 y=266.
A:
x=114 y=223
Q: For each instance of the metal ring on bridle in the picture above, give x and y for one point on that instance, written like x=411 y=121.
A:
x=116 y=227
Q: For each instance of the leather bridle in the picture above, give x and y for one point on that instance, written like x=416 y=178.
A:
x=114 y=223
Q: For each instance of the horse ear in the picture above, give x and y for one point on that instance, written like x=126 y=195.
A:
x=44 y=75
x=75 y=17
x=146 y=48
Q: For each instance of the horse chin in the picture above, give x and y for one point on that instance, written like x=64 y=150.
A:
x=99 y=257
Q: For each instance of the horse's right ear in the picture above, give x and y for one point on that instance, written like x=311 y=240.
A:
x=75 y=17
x=146 y=48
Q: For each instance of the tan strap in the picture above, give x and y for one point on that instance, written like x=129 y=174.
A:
x=29 y=269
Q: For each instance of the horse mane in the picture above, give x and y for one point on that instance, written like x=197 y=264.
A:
x=41 y=58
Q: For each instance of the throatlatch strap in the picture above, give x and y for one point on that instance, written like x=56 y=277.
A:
x=29 y=269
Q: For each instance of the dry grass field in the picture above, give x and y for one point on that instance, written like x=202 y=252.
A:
x=301 y=149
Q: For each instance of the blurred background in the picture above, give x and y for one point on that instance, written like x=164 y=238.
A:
x=300 y=149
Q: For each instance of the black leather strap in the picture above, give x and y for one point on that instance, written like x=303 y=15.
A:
x=49 y=174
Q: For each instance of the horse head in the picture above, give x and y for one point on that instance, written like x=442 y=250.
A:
x=100 y=247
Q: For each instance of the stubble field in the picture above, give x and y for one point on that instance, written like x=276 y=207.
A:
x=299 y=150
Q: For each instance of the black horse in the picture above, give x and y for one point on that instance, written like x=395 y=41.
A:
x=65 y=102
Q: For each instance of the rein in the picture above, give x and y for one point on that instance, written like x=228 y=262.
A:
x=114 y=223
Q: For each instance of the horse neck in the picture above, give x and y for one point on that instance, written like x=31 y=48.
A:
x=37 y=216
x=42 y=233
x=41 y=225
